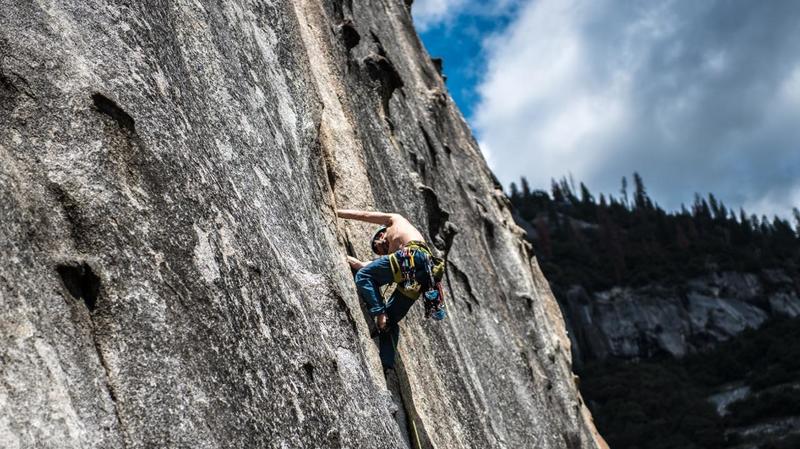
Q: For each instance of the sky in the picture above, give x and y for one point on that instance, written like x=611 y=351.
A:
x=694 y=96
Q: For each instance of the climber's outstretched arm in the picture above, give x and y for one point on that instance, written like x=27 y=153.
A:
x=380 y=218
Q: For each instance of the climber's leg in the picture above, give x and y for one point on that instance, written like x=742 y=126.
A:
x=396 y=309
x=369 y=280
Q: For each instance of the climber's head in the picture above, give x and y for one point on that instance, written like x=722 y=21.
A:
x=380 y=245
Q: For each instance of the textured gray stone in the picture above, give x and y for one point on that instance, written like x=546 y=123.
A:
x=656 y=319
x=174 y=275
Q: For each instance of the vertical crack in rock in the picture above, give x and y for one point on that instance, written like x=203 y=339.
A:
x=463 y=279
x=330 y=173
x=8 y=95
x=572 y=440
x=528 y=366
x=12 y=87
x=436 y=215
x=489 y=230
x=452 y=295
x=417 y=435
x=72 y=213
x=429 y=144
x=396 y=381
x=346 y=309
x=85 y=287
x=415 y=163
x=351 y=251
x=401 y=415
x=112 y=388
x=440 y=229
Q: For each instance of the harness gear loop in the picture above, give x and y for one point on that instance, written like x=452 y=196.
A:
x=404 y=271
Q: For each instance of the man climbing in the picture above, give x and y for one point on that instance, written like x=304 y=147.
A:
x=405 y=260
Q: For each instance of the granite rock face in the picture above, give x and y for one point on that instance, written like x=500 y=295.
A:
x=174 y=274
x=654 y=319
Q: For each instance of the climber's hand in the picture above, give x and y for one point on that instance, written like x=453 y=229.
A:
x=382 y=322
x=355 y=264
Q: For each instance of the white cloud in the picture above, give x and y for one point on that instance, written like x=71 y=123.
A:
x=428 y=13
x=534 y=99
x=486 y=150
x=774 y=201
x=697 y=97
x=790 y=89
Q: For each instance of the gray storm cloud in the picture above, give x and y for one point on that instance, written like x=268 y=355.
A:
x=696 y=96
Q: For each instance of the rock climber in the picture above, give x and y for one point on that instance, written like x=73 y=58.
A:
x=404 y=259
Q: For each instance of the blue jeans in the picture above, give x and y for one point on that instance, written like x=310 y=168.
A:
x=369 y=280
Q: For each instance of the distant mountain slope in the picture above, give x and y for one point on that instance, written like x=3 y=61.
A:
x=636 y=281
x=684 y=325
x=744 y=393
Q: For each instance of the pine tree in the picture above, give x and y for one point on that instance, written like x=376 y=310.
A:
x=712 y=203
x=555 y=191
x=624 y=191
x=543 y=230
x=765 y=226
x=568 y=191
x=635 y=241
x=587 y=204
x=796 y=213
x=586 y=196
x=526 y=188
x=640 y=199
x=514 y=192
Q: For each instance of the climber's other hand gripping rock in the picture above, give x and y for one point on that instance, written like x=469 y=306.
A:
x=355 y=264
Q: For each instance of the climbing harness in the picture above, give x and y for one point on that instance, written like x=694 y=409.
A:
x=405 y=271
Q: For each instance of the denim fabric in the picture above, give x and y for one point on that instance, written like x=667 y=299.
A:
x=369 y=279
x=387 y=341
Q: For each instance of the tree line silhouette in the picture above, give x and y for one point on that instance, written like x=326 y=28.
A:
x=630 y=240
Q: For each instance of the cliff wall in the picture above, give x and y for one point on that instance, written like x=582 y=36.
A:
x=174 y=274
x=675 y=320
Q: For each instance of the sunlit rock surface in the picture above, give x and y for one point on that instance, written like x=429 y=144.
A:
x=173 y=274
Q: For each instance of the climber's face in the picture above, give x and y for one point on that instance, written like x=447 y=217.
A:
x=381 y=244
